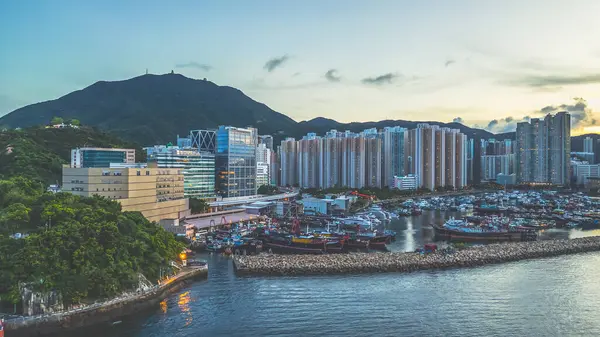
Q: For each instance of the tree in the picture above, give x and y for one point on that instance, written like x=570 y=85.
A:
x=75 y=122
x=199 y=205
x=13 y=217
x=56 y=120
x=267 y=189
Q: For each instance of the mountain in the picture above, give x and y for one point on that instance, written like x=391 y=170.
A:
x=154 y=109
x=38 y=153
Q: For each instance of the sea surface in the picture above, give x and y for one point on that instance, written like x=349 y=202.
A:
x=545 y=297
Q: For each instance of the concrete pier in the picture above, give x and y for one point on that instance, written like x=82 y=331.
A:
x=105 y=312
x=408 y=262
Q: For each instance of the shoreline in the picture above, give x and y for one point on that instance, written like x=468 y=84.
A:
x=106 y=312
x=286 y=265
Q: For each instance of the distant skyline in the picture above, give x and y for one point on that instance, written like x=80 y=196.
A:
x=487 y=64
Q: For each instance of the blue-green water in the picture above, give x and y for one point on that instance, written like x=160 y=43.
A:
x=546 y=297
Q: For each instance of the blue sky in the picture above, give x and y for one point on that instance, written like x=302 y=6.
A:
x=473 y=61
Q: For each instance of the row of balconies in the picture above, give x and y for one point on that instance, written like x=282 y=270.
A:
x=162 y=199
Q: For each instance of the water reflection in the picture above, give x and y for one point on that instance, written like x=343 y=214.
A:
x=163 y=306
x=184 y=306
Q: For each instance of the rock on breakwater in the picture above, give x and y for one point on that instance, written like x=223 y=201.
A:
x=408 y=262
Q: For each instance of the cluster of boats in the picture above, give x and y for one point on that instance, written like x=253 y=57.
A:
x=491 y=229
x=362 y=232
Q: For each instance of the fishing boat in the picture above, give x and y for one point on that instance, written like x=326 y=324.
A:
x=214 y=246
x=289 y=249
x=357 y=244
x=459 y=230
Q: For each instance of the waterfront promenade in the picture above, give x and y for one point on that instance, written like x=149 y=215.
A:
x=269 y=264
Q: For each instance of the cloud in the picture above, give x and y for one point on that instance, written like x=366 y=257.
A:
x=332 y=75
x=581 y=114
x=275 y=63
x=502 y=125
x=380 y=80
x=449 y=63
x=458 y=120
x=193 y=64
x=553 y=81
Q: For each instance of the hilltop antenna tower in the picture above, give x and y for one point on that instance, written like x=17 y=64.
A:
x=146 y=71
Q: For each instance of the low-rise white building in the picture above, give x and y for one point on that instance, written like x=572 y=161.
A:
x=584 y=171
x=404 y=183
x=314 y=206
x=262 y=174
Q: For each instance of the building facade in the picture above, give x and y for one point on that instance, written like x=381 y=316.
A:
x=393 y=153
x=288 y=153
x=198 y=168
x=235 y=161
x=588 y=145
x=436 y=156
x=331 y=175
x=267 y=140
x=353 y=161
x=263 y=165
x=157 y=193
x=543 y=150
x=309 y=161
x=373 y=158
x=87 y=157
x=497 y=157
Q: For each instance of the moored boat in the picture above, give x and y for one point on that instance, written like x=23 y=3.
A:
x=457 y=230
x=289 y=249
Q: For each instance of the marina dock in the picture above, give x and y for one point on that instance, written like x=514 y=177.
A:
x=270 y=264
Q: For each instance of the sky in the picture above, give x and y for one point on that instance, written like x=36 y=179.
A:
x=484 y=63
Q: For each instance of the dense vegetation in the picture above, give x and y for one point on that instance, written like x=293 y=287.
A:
x=83 y=248
x=198 y=205
x=38 y=153
x=268 y=190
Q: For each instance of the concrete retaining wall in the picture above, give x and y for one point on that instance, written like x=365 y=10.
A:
x=408 y=262
x=108 y=312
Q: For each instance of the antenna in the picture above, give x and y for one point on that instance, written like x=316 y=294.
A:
x=146 y=71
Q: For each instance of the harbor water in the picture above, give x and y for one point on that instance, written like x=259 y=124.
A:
x=546 y=297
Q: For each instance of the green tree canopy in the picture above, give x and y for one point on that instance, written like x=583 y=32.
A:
x=56 y=120
x=198 y=205
x=91 y=250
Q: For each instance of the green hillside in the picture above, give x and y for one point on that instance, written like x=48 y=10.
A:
x=38 y=153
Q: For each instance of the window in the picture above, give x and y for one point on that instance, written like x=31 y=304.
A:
x=139 y=173
x=147 y=173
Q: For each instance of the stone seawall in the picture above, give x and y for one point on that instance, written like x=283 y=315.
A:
x=105 y=313
x=408 y=262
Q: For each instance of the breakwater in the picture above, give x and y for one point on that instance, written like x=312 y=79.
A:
x=106 y=312
x=267 y=264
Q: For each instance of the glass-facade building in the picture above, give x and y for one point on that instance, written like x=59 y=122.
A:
x=235 y=160
x=100 y=157
x=198 y=168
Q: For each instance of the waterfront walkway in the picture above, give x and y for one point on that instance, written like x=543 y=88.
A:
x=24 y=322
